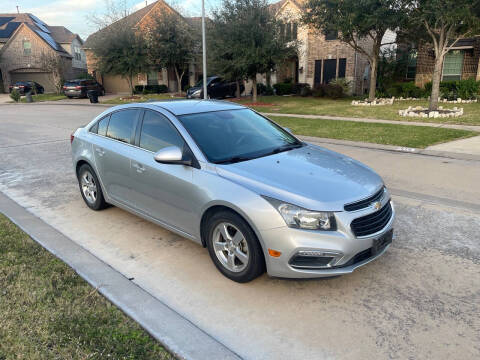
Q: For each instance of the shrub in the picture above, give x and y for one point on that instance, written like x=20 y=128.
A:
x=451 y=90
x=15 y=95
x=302 y=89
x=344 y=83
x=150 y=89
x=319 y=91
x=334 y=91
x=283 y=88
x=405 y=89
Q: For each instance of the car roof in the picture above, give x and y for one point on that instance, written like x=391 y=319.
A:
x=182 y=107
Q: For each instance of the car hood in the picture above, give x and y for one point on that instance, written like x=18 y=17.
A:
x=193 y=89
x=311 y=177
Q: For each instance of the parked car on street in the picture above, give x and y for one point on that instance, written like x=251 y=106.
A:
x=24 y=87
x=80 y=88
x=253 y=194
x=217 y=88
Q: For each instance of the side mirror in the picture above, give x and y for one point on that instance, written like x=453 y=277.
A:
x=171 y=155
x=288 y=130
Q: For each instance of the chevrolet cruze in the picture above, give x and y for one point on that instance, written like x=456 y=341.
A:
x=258 y=198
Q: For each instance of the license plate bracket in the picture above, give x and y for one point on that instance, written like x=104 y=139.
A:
x=380 y=243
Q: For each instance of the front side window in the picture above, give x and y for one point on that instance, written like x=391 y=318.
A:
x=121 y=125
x=237 y=135
x=27 y=47
x=157 y=133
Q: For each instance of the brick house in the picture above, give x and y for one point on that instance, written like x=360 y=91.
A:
x=25 y=43
x=461 y=62
x=141 y=20
x=321 y=57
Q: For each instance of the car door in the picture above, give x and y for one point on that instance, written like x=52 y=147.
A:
x=162 y=191
x=113 y=152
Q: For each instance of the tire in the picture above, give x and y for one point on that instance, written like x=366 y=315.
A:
x=90 y=188
x=244 y=268
x=70 y=97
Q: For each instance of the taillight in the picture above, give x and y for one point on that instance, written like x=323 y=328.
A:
x=78 y=87
x=64 y=88
x=21 y=86
x=71 y=138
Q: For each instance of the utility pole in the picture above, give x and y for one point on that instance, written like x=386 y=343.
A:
x=18 y=11
x=204 y=52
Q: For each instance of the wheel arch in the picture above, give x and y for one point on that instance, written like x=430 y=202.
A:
x=214 y=208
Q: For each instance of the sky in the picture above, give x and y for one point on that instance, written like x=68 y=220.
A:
x=76 y=15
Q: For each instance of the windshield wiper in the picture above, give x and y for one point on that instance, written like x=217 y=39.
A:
x=285 y=148
x=233 y=159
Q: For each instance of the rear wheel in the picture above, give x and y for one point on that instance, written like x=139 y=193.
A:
x=234 y=247
x=90 y=188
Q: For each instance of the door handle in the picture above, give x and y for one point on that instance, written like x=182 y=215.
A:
x=139 y=168
x=100 y=151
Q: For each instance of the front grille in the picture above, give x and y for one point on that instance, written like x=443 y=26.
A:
x=299 y=261
x=372 y=223
x=357 y=205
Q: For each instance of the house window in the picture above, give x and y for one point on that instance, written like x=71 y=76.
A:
x=331 y=34
x=27 y=47
x=453 y=65
x=76 y=53
x=152 y=78
x=289 y=31
x=411 y=65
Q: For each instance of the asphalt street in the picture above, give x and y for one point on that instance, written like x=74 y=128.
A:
x=421 y=300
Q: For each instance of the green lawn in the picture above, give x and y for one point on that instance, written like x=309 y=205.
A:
x=389 y=134
x=343 y=107
x=45 y=97
x=48 y=312
x=141 y=98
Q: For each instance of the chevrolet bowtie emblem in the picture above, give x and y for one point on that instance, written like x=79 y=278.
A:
x=377 y=205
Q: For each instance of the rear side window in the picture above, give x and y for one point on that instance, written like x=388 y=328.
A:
x=102 y=126
x=122 y=124
x=157 y=133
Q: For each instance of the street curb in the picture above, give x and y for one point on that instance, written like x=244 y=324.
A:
x=177 y=334
x=392 y=148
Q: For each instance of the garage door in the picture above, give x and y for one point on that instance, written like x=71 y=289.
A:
x=39 y=77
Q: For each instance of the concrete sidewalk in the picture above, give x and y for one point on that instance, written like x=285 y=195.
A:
x=378 y=121
x=463 y=146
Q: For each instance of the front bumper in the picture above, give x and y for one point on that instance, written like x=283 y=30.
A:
x=290 y=241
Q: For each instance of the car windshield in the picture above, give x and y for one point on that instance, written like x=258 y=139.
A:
x=200 y=82
x=230 y=136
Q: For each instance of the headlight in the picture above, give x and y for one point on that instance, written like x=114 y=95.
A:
x=297 y=217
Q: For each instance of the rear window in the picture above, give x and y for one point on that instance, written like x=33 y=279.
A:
x=121 y=125
x=21 y=83
x=72 y=83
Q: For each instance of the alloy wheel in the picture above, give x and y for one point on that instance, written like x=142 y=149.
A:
x=89 y=187
x=231 y=247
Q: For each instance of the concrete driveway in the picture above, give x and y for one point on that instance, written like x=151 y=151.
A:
x=419 y=301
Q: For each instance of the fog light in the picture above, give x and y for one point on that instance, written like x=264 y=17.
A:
x=315 y=259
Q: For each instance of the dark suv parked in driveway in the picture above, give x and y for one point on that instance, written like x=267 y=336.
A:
x=79 y=88
x=217 y=88
x=24 y=87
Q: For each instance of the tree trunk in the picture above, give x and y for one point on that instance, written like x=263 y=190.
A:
x=179 y=80
x=269 y=78
x=254 y=88
x=436 y=77
x=130 y=84
x=238 y=89
x=373 y=78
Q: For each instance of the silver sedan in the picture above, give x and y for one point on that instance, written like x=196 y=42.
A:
x=254 y=195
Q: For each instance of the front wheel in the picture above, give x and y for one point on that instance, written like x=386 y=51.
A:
x=234 y=247
x=90 y=188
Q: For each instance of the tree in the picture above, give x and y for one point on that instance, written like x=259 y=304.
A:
x=119 y=50
x=249 y=40
x=360 y=24
x=171 y=43
x=55 y=65
x=445 y=23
